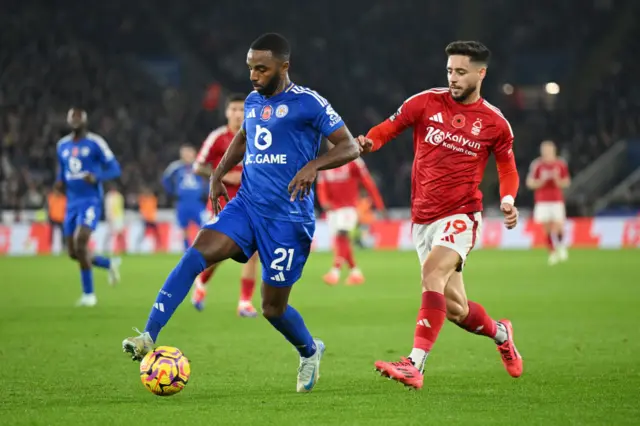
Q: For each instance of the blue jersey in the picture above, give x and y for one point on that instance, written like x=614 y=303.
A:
x=283 y=134
x=77 y=158
x=180 y=181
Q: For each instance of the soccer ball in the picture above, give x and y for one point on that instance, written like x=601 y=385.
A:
x=165 y=371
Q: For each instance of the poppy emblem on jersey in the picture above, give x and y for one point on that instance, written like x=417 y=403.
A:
x=281 y=111
x=265 y=115
x=476 y=127
x=74 y=151
x=458 y=121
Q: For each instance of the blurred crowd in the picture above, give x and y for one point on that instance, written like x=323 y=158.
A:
x=365 y=57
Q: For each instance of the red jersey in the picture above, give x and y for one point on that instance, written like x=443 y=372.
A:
x=547 y=171
x=213 y=149
x=340 y=187
x=452 y=143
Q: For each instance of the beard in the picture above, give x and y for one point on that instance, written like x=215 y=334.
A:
x=464 y=95
x=271 y=86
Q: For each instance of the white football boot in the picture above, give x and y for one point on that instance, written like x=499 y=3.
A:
x=309 y=370
x=88 y=300
x=138 y=346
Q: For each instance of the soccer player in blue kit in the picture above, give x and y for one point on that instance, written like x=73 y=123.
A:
x=180 y=181
x=84 y=162
x=273 y=210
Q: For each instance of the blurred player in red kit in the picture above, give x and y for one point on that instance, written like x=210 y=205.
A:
x=338 y=191
x=454 y=131
x=210 y=154
x=548 y=176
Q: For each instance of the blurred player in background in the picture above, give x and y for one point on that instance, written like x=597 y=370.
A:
x=148 y=207
x=190 y=190
x=454 y=132
x=56 y=206
x=273 y=211
x=114 y=214
x=85 y=162
x=548 y=177
x=212 y=151
x=338 y=190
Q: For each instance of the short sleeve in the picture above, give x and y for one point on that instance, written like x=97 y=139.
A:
x=105 y=153
x=326 y=120
x=564 y=171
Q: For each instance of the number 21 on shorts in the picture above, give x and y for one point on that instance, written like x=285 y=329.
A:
x=283 y=255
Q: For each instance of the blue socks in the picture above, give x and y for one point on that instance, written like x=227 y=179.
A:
x=292 y=327
x=174 y=290
x=101 y=262
x=87 y=280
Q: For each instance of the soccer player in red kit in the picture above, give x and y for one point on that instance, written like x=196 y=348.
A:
x=454 y=131
x=210 y=154
x=548 y=177
x=338 y=191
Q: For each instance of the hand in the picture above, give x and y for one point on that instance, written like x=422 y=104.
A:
x=217 y=190
x=302 y=182
x=89 y=177
x=510 y=215
x=366 y=144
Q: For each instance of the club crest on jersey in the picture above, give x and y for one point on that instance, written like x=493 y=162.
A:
x=458 y=121
x=265 y=115
x=85 y=151
x=476 y=127
x=281 y=111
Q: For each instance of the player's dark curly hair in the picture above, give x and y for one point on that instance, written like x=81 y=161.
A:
x=274 y=42
x=235 y=97
x=475 y=50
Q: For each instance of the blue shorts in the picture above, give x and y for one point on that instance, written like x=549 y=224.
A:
x=84 y=214
x=283 y=247
x=191 y=214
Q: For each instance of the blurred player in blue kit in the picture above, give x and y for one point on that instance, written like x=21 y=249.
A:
x=190 y=190
x=273 y=211
x=84 y=163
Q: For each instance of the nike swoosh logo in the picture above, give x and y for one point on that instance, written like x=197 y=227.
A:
x=309 y=385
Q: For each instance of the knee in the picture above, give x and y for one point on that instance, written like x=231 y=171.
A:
x=81 y=250
x=434 y=277
x=72 y=254
x=457 y=311
x=272 y=310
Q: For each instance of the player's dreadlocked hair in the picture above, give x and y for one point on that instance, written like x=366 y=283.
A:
x=235 y=97
x=274 y=42
x=475 y=50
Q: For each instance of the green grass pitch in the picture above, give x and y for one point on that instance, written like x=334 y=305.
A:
x=576 y=326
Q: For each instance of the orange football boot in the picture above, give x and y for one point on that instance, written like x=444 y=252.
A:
x=331 y=278
x=355 y=278
x=510 y=356
x=402 y=371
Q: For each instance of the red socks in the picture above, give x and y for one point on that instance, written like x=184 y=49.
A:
x=205 y=275
x=344 y=252
x=247 y=286
x=478 y=322
x=430 y=319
